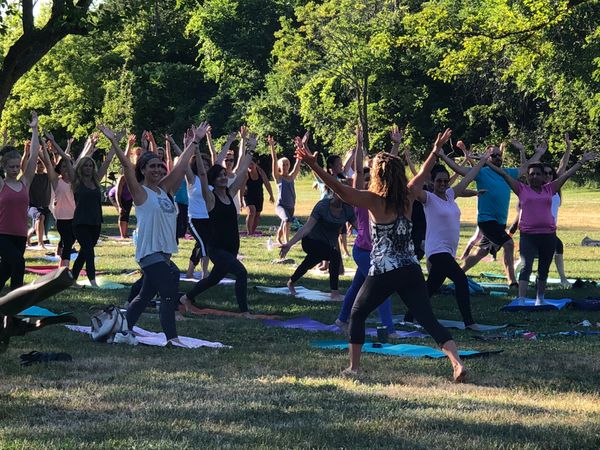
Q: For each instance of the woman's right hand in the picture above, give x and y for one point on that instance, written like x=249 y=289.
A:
x=285 y=248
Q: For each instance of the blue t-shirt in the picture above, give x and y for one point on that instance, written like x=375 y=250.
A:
x=181 y=196
x=493 y=205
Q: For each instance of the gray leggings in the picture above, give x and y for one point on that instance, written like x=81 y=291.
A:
x=540 y=245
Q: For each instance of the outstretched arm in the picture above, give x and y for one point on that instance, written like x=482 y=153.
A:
x=355 y=197
x=408 y=161
x=242 y=148
x=242 y=174
x=453 y=165
x=29 y=171
x=207 y=194
x=271 y=142
x=296 y=170
x=302 y=232
x=514 y=184
x=138 y=193
x=52 y=176
x=172 y=181
x=267 y=183
x=396 y=137
x=226 y=146
x=416 y=184
x=587 y=156
x=461 y=187
x=564 y=161
x=358 y=181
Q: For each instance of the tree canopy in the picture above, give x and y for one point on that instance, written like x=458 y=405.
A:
x=490 y=69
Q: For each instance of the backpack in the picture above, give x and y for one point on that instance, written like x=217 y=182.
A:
x=107 y=322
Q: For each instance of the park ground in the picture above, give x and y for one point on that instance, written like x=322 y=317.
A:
x=272 y=390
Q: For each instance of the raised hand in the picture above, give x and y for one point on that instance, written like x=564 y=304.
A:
x=94 y=138
x=232 y=136
x=200 y=132
x=188 y=137
x=243 y=132
x=48 y=134
x=517 y=144
x=252 y=141
x=442 y=138
x=568 y=141
x=34 y=120
x=305 y=138
x=541 y=147
x=283 y=250
x=396 y=134
x=131 y=140
x=589 y=156
x=304 y=155
x=271 y=141
x=110 y=134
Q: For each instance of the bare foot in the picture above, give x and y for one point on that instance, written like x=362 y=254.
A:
x=189 y=275
x=349 y=373
x=336 y=296
x=247 y=315
x=93 y=283
x=291 y=287
x=460 y=373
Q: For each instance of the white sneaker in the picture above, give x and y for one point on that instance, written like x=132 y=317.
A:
x=125 y=337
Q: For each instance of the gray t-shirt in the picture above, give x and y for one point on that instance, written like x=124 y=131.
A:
x=328 y=226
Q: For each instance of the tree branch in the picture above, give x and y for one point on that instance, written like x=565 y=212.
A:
x=27 y=9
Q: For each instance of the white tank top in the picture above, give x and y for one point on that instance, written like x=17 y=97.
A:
x=197 y=206
x=156 y=225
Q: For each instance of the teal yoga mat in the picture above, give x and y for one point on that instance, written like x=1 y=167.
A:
x=38 y=311
x=406 y=350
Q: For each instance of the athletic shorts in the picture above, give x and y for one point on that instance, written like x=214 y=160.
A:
x=34 y=212
x=494 y=235
x=284 y=213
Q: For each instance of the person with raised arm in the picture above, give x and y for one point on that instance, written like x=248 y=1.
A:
x=394 y=266
x=361 y=251
x=152 y=190
x=87 y=218
x=286 y=191
x=537 y=225
x=224 y=242
x=443 y=233
x=492 y=209
x=63 y=200
x=14 y=202
x=253 y=195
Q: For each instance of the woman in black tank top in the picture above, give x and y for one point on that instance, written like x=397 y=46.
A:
x=253 y=196
x=224 y=241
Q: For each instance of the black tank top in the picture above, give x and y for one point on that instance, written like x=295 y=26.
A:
x=254 y=189
x=224 y=226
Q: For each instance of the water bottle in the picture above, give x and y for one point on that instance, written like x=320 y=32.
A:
x=134 y=236
x=270 y=244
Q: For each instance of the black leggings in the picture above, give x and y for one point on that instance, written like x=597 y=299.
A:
x=162 y=277
x=443 y=266
x=560 y=248
x=540 y=245
x=182 y=220
x=12 y=262
x=87 y=236
x=409 y=283
x=67 y=237
x=224 y=262
x=317 y=251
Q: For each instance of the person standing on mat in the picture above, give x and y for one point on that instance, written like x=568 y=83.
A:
x=286 y=196
x=152 y=189
x=537 y=226
x=443 y=233
x=224 y=242
x=40 y=193
x=87 y=218
x=394 y=266
x=63 y=202
x=254 y=197
x=14 y=202
x=492 y=209
x=361 y=251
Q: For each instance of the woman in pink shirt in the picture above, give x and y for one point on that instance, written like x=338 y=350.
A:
x=537 y=225
x=14 y=201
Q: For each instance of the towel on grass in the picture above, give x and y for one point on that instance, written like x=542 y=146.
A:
x=529 y=305
x=38 y=311
x=157 y=339
x=532 y=278
x=43 y=270
x=196 y=278
x=325 y=273
x=102 y=284
x=51 y=258
x=407 y=350
x=301 y=293
x=308 y=324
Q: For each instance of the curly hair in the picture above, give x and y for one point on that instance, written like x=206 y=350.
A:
x=388 y=180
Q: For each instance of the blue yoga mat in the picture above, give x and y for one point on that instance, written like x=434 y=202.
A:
x=38 y=311
x=407 y=350
x=551 y=305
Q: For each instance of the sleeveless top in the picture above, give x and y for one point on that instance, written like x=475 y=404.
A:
x=88 y=209
x=224 y=226
x=236 y=199
x=156 y=225
x=13 y=210
x=392 y=246
x=63 y=203
x=254 y=190
x=197 y=205
x=287 y=193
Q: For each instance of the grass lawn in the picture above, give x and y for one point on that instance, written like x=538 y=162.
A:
x=272 y=390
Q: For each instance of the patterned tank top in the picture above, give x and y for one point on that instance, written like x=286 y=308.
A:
x=392 y=246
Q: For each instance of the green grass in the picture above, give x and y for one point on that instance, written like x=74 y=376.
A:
x=272 y=390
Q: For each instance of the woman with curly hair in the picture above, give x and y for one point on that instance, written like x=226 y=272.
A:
x=394 y=266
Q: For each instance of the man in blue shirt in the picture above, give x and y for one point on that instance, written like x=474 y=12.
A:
x=492 y=210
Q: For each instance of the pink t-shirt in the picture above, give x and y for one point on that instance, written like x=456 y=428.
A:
x=363 y=239
x=536 y=209
x=443 y=224
x=13 y=210
x=63 y=203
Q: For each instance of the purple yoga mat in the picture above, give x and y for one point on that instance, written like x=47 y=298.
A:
x=308 y=324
